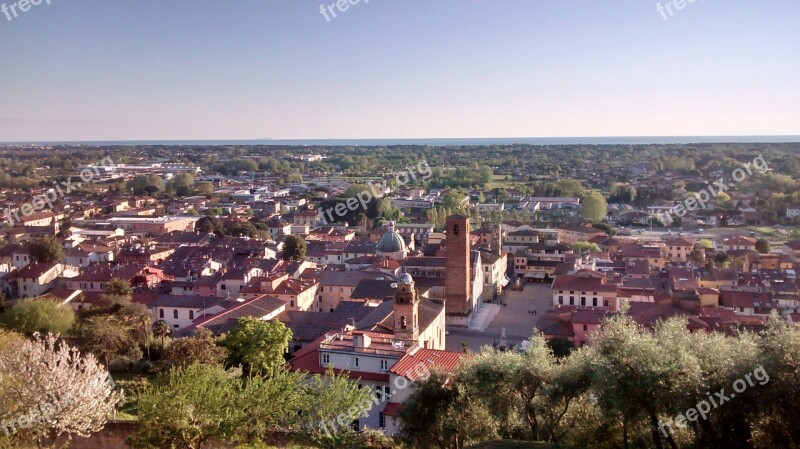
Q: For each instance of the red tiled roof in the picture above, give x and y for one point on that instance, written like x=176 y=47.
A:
x=416 y=366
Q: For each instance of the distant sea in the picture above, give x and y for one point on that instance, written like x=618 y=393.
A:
x=627 y=140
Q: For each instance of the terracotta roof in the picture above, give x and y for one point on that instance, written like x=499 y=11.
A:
x=417 y=366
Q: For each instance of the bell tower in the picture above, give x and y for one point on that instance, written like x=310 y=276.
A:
x=406 y=310
x=457 y=278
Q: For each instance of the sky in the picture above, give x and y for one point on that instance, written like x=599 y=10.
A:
x=254 y=69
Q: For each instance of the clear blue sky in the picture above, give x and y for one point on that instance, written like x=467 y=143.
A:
x=247 y=69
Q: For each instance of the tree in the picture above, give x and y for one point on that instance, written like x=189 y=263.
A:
x=161 y=330
x=210 y=224
x=46 y=249
x=200 y=348
x=241 y=229
x=181 y=184
x=119 y=287
x=561 y=347
x=332 y=403
x=594 y=207
x=762 y=246
x=204 y=188
x=111 y=339
x=440 y=414
x=39 y=315
x=294 y=248
x=188 y=408
x=582 y=247
x=59 y=391
x=258 y=345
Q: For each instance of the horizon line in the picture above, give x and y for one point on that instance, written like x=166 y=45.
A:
x=569 y=140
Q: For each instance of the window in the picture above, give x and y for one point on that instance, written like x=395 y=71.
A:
x=585 y=328
x=223 y=287
x=384 y=365
x=355 y=362
x=326 y=359
x=291 y=303
x=175 y=314
x=594 y=302
x=382 y=421
x=161 y=313
x=191 y=314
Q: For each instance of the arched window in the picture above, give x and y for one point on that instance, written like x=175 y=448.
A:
x=455 y=230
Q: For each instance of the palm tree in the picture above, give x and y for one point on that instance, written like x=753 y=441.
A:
x=161 y=329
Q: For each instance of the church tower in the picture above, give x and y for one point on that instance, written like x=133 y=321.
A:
x=406 y=310
x=458 y=280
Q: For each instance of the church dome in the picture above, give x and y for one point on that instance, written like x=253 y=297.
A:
x=391 y=242
x=406 y=278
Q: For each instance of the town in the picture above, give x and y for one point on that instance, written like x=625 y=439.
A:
x=374 y=276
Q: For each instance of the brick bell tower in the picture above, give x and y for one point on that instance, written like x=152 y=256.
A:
x=406 y=310
x=457 y=278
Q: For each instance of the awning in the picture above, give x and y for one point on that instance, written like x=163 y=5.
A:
x=536 y=275
x=505 y=281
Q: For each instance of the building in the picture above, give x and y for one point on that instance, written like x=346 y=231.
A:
x=584 y=289
x=368 y=355
x=458 y=304
x=678 y=249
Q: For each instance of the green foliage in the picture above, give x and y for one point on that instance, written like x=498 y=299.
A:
x=445 y=416
x=46 y=249
x=334 y=402
x=294 y=248
x=762 y=246
x=38 y=315
x=582 y=247
x=241 y=229
x=258 y=345
x=210 y=224
x=112 y=339
x=594 y=207
x=188 y=408
x=119 y=287
x=200 y=348
x=146 y=185
x=181 y=184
